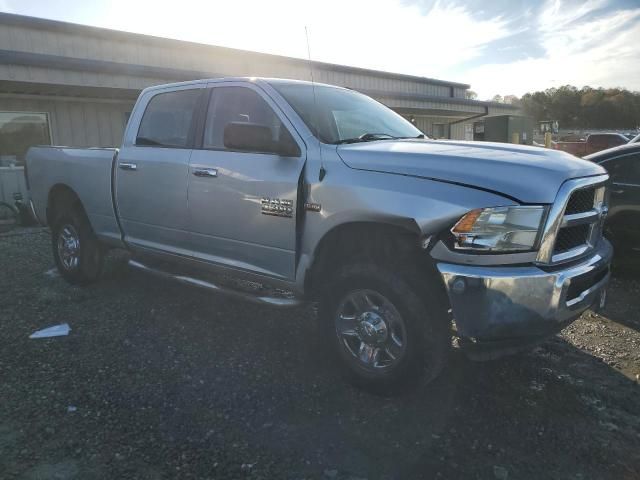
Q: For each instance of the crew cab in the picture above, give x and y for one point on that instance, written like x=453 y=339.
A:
x=593 y=143
x=317 y=193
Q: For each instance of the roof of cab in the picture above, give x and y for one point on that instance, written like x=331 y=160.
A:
x=273 y=81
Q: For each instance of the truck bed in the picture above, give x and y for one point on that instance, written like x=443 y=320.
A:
x=575 y=148
x=87 y=172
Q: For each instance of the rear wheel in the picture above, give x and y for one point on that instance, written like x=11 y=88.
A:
x=386 y=330
x=77 y=252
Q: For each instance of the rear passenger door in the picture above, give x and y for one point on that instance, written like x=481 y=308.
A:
x=243 y=204
x=153 y=170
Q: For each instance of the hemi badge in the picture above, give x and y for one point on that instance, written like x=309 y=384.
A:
x=312 y=207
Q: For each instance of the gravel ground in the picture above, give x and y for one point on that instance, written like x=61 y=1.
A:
x=159 y=381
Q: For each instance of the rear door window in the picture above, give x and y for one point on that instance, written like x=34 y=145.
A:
x=168 y=120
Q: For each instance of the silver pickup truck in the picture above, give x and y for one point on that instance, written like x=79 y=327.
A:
x=319 y=193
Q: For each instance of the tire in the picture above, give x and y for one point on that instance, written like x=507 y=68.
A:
x=77 y=252
x=413 y=340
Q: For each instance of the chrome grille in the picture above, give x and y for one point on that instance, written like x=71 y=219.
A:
x=571 y=237
x=574 y=225
x=581 y=201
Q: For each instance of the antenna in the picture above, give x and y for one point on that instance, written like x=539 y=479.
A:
x=315 y=105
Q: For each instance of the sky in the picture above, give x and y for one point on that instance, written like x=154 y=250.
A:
x=506 y=47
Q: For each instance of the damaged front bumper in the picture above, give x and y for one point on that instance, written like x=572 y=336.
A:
x=504 y=308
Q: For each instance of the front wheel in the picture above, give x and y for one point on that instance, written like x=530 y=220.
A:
x=77 y=252
x=386 y=329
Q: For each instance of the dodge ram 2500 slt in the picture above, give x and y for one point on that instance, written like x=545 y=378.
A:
x=319 y=193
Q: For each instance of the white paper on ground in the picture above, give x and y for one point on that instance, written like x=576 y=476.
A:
x=53 y=272
x=55 y=331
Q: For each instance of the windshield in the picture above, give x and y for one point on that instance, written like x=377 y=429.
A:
x=338 y=115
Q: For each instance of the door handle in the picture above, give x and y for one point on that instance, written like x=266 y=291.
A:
x=205 y=172
x=127 y=166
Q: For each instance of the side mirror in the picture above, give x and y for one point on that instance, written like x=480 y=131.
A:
x=254 y=137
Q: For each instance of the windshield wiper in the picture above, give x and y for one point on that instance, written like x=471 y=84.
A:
x=422 y=135
x=367 y=137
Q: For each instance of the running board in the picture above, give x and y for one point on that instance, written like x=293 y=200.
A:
x=280 y=302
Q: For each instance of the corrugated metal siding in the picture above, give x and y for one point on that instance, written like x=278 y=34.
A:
x=459 y=92
x=76 y=122
x=425 y=124
x=457 y=131
x=422 y=104
x=178 y=55
x=506 y=110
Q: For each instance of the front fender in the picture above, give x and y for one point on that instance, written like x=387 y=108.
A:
x=424 y=207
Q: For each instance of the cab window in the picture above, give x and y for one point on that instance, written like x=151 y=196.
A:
x=168 y=118
x=239 y=105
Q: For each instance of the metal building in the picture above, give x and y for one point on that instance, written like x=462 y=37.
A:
x=75 y=85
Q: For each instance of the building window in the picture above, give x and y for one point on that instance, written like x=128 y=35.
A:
x=18 y=132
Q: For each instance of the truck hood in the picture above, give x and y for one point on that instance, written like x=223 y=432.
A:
x=527 y=174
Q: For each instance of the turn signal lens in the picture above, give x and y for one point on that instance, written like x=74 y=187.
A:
x=465 y=224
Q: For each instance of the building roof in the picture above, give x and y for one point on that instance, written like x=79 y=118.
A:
x=74 y=28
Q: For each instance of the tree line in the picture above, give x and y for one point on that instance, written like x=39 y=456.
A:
x=598 y=108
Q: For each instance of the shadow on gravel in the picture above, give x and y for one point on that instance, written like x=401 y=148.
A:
x=623 y=305
x=170 y=382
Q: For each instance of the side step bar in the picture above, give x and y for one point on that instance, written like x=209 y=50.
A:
x=280 y=302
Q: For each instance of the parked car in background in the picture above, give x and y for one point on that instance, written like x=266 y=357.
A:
x=623 y=222
x=328 y=194
x=592 y=144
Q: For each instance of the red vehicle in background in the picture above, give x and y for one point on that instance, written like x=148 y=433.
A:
x=593 y=143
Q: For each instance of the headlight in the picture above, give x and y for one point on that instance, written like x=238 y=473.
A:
x=499 y=229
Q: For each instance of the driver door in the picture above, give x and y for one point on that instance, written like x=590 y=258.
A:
x=232 y=194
